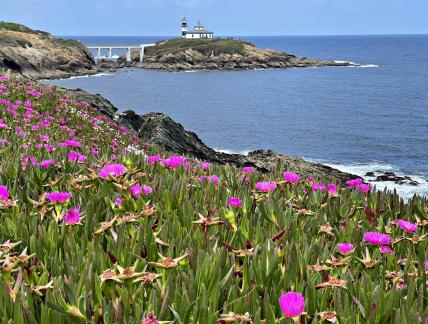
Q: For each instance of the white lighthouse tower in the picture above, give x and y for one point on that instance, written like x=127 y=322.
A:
x=183 y=27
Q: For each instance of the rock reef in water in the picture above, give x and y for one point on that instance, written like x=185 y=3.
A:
x=38 y=55
x=220 y=54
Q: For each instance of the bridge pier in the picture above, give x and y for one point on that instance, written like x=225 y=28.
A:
x=128 y=55
x=98 y=54
x=142 y=53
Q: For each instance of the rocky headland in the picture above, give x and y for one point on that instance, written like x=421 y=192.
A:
x=219 y=54
x=38 y=55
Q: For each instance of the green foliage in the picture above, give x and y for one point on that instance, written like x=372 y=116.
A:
x=181 y=253
x=20 y=28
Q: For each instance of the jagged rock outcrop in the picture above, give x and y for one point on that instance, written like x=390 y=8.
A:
x=220 y=54
x=161 y=130
x=38 y=55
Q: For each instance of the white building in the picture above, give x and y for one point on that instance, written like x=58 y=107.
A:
x=198 y=32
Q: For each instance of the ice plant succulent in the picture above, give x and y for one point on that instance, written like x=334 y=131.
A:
x=292 y=304
x=234 y=202
x=375 y=238
x=72 y=216
x=4 y=193
x=266 y=186
x=406 y=226
x=345 y=248
x=291 y=177
x=112 y=170
x=58 y=197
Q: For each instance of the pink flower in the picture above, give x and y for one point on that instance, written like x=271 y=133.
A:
x=4 y=193
x=138 y=190
x=266 y=186
x=247 y=169
x=375 y=238
x=210 y=179
x=118 y=201
x=318 y=187
x=46 y=164
x=44 y=138
x=234 y=202
x=174 y=161
x=354 y=182
x=345 y=248
x=331 y=189
x=206 y=165
x=385 y=250
x=290 y=177
x=76 y=156
x=426 y=265
x=72 y=216
x=58 y=197
x=311 y=179
x=153 y=159
x=147 y=190
x=364 y=187
x=4 y=78
x=406 y=226
x=112 y=170
x=151 y=319
x=292 y=304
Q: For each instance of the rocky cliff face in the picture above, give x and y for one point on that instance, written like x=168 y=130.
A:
x=38 y=55
x=222 y=54
x=161 y=130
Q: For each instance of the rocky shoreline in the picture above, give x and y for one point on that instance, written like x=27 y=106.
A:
x=38 y=55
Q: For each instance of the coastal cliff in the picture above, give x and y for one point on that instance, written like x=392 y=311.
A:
x=219 y=54
x=38 y=55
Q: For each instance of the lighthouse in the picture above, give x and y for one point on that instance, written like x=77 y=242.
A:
x=183 y=27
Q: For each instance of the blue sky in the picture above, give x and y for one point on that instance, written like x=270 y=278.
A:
x=224 y=17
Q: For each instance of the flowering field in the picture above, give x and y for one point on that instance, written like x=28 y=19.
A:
x=96 y=226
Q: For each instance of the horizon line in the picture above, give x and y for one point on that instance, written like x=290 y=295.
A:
x=290 y=35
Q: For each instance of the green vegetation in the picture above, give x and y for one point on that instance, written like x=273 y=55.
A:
x=94 y=231
x=20 y=28
x=205 y=46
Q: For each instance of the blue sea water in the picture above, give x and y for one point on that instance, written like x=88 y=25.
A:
x=361 y=119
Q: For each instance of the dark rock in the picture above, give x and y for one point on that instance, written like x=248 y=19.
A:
x=161 y=130
x=370 y=174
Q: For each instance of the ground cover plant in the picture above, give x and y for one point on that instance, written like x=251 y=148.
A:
x=96 y=226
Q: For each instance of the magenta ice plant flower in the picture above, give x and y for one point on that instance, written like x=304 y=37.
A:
x=72 y=216
x=147 y=190
x=354 y=182
x=58 y=197
x=4 y=193
x=214 y=179
x=266 y=186
x=345 y=248
x=331 y=189
x=234 y=202
x=292 y=304
x=375 y=238
x=112 y=170
x=46 y=164
x=290 y=177
x=385 y=249
x=118 y=202
x=426 y=265
x=406 y=226
x=247 y=169
x=153 y=159
x=318 y=187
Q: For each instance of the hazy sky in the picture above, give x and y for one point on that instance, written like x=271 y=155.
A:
x=224 y=17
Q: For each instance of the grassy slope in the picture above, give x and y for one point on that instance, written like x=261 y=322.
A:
x=75 y=273
x=205 y=46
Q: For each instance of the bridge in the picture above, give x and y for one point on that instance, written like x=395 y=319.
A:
x=128 y=49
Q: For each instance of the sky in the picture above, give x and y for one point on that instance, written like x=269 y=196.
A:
x=224 y=17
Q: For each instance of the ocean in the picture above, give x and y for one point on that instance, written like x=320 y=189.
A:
x=357 y=119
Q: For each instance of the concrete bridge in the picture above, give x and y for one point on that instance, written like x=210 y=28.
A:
x=128 y=49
